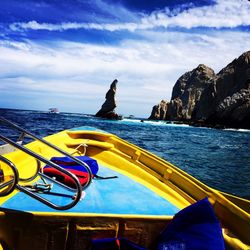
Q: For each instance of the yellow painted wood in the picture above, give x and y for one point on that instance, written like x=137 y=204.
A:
x=162 y=177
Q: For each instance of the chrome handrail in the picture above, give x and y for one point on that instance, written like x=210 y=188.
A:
x=35 y=175
x=3 y=120
x=16 y=185
x=15 y=177
x=39 y=158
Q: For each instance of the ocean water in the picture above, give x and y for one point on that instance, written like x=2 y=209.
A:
x=219 y=158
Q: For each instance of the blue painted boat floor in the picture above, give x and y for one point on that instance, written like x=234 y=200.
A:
x=120 y=195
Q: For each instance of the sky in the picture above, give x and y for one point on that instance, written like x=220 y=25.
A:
x=66 y=53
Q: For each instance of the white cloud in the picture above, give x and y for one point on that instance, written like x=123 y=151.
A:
x=78 y=75
x=223 y=14
x=34 y=25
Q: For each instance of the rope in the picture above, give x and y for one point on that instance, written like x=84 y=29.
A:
x=39 y=187
x=78 y=151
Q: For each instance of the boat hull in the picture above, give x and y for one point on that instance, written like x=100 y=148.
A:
x=24 y=226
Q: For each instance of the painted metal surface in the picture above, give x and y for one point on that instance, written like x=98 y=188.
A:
x=120 y=195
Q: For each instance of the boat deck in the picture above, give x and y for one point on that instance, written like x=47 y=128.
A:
x=120 y=196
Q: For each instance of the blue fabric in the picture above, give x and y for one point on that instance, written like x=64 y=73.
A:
x=195 y=227
x=115 y=244
x=68 y=163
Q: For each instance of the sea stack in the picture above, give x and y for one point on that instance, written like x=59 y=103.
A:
x=108 y=107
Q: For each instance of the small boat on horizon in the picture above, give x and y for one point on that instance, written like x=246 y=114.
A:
x=84 y=186
x=54 y=110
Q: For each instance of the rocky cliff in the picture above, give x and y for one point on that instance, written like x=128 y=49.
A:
x=159 y=111
x=108 y=108
x=201 y=96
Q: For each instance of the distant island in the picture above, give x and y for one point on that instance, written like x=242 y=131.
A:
x=202 y=98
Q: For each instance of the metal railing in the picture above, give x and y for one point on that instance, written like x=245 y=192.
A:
x=39 y=159
x=10 y=185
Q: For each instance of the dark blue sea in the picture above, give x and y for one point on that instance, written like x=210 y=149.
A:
x=219 y=158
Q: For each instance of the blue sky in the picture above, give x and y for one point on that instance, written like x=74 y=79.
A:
x=65 y=54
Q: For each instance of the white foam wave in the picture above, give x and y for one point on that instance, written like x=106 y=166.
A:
x=238 y=130
x=154 y=123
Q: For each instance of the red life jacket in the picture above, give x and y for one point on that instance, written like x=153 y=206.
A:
x=78 y=170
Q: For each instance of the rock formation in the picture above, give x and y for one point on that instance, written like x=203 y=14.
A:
x=232 y=97
x=159 y=111
x=188 y=90
x=186 y=94
x=108 y=108
x=201 y=96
